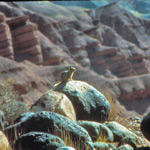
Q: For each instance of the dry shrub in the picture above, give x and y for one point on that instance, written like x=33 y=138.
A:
x=114 y=112
x=10 y=101
x=71 y=140
x=102 y=138
x=12 y=107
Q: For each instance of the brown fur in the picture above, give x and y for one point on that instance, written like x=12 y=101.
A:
x=66 y=75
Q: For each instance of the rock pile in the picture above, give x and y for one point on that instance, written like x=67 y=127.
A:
x=49 y=129
x=6 y=49
x=53 y=123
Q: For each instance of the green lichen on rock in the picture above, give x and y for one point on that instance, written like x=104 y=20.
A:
x=88 y=102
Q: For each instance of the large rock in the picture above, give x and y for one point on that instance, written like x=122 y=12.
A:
x=125 y=147
x=38 y=141
x=120 y=131
x=4 y=144
x=97 y=131
x=23 y=116
x=145 y=128
x=55 y=102
x=89 y=104
x=100 y=145
x=52 y=123
x=128 y=140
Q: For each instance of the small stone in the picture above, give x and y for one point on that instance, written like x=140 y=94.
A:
x=65 y=148
x=125 y=147
x=138 y=133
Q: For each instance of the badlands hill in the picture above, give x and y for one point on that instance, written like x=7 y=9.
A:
x=108 y=45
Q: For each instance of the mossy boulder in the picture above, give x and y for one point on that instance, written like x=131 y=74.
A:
x=89 y=103
x=23 y=116
x=145 y=126
x=125 y=147
x=97 y=131
x=100 y=146
x=38 y=141
x=120 y=132
x=4 y=144
x=55 y=102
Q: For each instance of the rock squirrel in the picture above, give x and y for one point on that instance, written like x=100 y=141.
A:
x=66 y=75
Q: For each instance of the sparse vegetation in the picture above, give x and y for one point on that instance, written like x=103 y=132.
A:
x=10 y=102
x=72 y=141
x=11 y=106
x=102 y=138
x=114 y=112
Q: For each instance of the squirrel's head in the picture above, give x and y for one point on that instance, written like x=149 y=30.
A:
x=72 y=69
